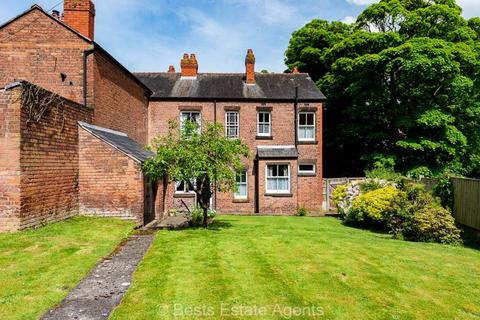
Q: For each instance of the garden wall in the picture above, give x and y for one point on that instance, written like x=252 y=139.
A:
x=39 y=170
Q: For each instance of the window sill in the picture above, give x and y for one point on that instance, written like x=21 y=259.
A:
x=264 y=138
x=184 y=195
x=241 y=201
x=307 y=174
x=279 y=195
x=307 y=142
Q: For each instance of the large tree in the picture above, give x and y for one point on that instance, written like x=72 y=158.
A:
x=402 y=85
x=200 y=156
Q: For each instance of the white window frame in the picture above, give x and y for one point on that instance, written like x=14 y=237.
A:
x=236 y=195
x=199 y=121
x=307 y=125
x=185 y=186
x=264 y=134
x=232 y=125
x=268 y=191
x=309 y=172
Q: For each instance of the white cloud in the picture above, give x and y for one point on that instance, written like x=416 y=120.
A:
x=349 y=19
x=362 y=2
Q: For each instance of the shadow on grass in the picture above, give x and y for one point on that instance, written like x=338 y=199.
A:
x=367 y=227
x=219 y=225
x=471 y=238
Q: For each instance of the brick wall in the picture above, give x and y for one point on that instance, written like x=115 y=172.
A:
x=120 y=102
x=40 y=165
x=305 y=191
x=38 y=49
x=9 y=161
x=111 y=183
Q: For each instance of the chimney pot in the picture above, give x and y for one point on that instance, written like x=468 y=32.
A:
x=56 y=14
x=171 y=69
x=80 y=15
x=250 y=67
x=189 y=65
x=295 y=70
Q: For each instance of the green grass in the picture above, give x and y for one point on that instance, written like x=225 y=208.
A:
x=39 y=267
x=300 y=262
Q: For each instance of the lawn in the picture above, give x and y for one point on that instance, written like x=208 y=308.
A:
x=39 y=267
x=268 y=266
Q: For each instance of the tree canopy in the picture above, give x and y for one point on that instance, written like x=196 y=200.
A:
x=402 y=85
x=199 y=156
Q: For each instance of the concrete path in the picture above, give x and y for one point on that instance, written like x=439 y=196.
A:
x=102 y=290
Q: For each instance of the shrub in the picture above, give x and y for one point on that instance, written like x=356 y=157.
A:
x=196 y=216
x=432 y=223
x=302 y=212
x=383 y=173
x=343 y=197
x=444 y=190
x=373 y=206
x=338 y=195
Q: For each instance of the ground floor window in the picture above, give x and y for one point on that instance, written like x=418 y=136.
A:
x=242 y=185
x=306 y=168
x=278 y=178
x=183 y=187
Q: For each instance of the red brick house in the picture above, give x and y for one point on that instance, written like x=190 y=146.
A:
x=73 y=123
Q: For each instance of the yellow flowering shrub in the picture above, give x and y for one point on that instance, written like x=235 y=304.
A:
x=373 y=206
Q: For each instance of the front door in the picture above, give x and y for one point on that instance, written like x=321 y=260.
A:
x=149 y=203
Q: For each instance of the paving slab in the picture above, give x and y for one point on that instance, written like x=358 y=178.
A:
x=101 y=291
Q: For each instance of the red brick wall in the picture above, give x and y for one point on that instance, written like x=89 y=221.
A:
x=38 y=49
x=111 y=183
x=41 y=162
x=9 y=161
x=120 y=102
x=306 y=191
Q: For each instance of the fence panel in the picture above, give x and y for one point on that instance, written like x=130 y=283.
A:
x=467 y=202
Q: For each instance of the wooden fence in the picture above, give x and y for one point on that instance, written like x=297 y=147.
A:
x=466 y=208
x=329 y=184
x=467 y=202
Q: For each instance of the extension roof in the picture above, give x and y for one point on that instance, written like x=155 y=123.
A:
x=277 y=152
x=231 y=87
x=119 y=141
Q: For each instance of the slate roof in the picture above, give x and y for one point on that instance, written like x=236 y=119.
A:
x=274 y=152
x=118 y=140
x=231 y=86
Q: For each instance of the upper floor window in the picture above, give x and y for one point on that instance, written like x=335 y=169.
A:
x=306 y=126
x=232 y=124
x=264 y=123
x=242 y=185
x=278 y=178
x=194 y=116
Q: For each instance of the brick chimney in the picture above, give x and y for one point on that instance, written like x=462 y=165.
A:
x=80 y=15
x=189 y=65
x=171 y=69
x=250 y=67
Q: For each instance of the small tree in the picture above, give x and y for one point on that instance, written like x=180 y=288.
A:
x=197 y=156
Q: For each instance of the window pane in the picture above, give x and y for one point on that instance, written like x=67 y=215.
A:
x=282 y=184
x=180 y=186
x=310 y=119
x=302 y=119
x=310 y=133
x=306 y=168
x=271 y=184
x=283 y=170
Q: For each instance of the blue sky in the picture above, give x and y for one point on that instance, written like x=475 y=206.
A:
x=149 y=35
